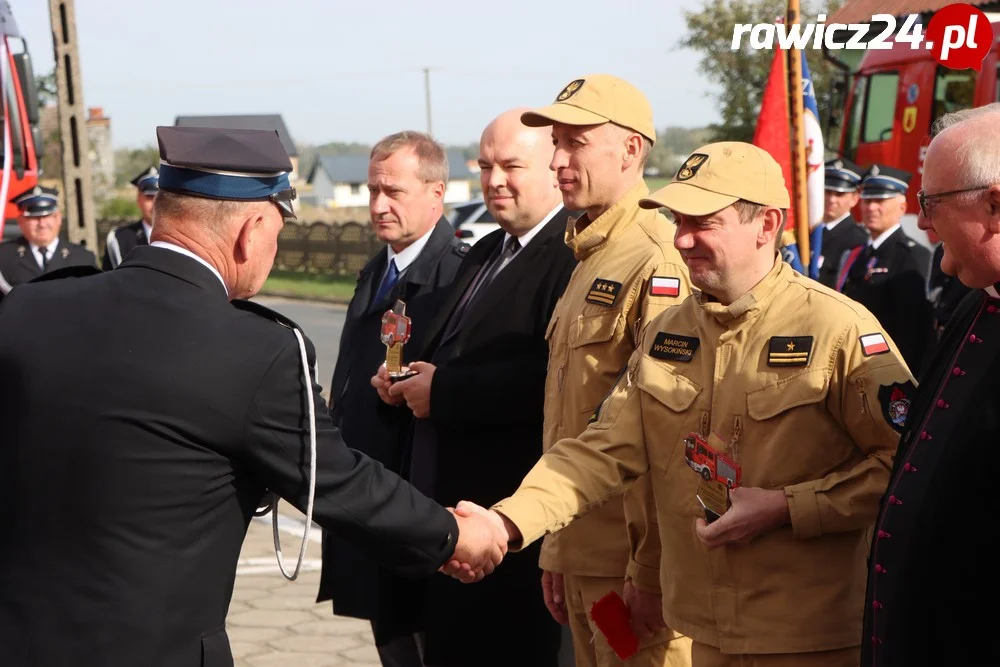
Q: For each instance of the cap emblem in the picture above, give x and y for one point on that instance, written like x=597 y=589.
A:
x=691 y=166
x=569 y=90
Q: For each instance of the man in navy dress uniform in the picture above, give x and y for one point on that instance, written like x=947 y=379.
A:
x=121 y=240
x=149 y=411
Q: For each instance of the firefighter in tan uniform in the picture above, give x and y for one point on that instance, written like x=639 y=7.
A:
x=798 y=385
x=628 y=272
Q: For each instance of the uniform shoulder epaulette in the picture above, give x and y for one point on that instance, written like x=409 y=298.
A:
x=80 y=271
x=265 y=312
x=461 y=249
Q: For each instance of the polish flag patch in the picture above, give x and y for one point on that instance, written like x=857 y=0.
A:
x=664 y=286
x=872 y=344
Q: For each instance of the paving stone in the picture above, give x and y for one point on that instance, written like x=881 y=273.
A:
x=281 y=659
x=261 y=635
x=316 y=643
x=247 y=649
x=333 y=626
x=364 y=654
x=257 y=618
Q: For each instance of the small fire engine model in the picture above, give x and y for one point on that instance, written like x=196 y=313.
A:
x=719 y=474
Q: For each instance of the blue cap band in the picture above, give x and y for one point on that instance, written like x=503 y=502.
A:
x=215 y=185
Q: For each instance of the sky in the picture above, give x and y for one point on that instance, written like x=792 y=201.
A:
x=353 y=71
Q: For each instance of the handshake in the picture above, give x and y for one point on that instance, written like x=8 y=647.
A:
x=483 y=539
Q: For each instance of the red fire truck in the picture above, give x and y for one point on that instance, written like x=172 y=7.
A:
x=19 y=118
x=896 y=95
x=710 y=464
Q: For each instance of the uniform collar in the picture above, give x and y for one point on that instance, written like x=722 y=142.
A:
x=833 y=223
x=885 y=236
x=752 y=301
x=607 y=226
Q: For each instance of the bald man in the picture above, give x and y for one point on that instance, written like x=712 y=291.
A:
x=478 y=397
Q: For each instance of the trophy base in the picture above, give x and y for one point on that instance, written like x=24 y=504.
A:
x=714 y=499
x=403 y=374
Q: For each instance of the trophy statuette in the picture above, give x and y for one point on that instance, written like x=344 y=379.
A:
x=395 y=334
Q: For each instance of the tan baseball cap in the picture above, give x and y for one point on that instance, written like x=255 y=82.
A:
x=594 y=100
x=717 y=175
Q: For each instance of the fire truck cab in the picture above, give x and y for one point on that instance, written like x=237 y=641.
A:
x=894 y=98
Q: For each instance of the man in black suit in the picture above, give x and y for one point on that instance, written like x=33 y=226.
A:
x=39 y=249
x=479 y=397
x=841 y=231
x=121 y=240
x=888 y=275
x=147 y=411
x=407 y=176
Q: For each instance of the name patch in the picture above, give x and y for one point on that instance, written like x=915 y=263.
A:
x=604 y=292
x=673 y=347
x=789 y=350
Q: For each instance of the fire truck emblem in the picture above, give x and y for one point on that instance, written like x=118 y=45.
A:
x=710 y=464
x=909 y=118
x=895 y=403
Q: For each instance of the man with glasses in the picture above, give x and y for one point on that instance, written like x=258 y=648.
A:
x=888 y=275
x=932 y=566
x=150 y=410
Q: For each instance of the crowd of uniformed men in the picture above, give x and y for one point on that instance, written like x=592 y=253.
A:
x=592 y=328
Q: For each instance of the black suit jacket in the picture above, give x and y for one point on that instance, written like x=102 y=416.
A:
x=121 y=241
x=18 y=264
x=895 y=291
x=484 y=434
x=349 y=577
x=846 y=235
x=144 y=416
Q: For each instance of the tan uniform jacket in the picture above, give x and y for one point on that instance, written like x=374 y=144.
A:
x=628 y=272
x=815 y=426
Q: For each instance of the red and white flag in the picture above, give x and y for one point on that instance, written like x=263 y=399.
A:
x=665 y=286
x=873 y=344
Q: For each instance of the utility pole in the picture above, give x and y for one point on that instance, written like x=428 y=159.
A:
x=78 y=197
x=427 y=97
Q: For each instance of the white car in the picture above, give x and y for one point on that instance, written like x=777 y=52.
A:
x=472 y=221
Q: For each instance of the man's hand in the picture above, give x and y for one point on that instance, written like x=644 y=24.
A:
x=753 y=512
x=645 y=611
x=482 y=543
x=416 y=391
x=382 y=383
x=554 y=593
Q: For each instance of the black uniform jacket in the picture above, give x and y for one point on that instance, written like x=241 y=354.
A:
x=121 y=241
x=144 y=416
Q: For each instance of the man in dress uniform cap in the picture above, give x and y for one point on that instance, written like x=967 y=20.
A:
x=122 y=239
x=888 y=273
x=841 y=231
x=133 y=470
x=38 y=250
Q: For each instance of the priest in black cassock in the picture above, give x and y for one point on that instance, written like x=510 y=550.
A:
x=932 y=582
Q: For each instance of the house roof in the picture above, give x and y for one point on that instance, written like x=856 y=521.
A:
x=354 y=168
x=244 y=122
x=861 y=11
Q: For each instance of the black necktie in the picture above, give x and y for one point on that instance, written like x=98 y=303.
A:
x=45 y=257
x=483 y=280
